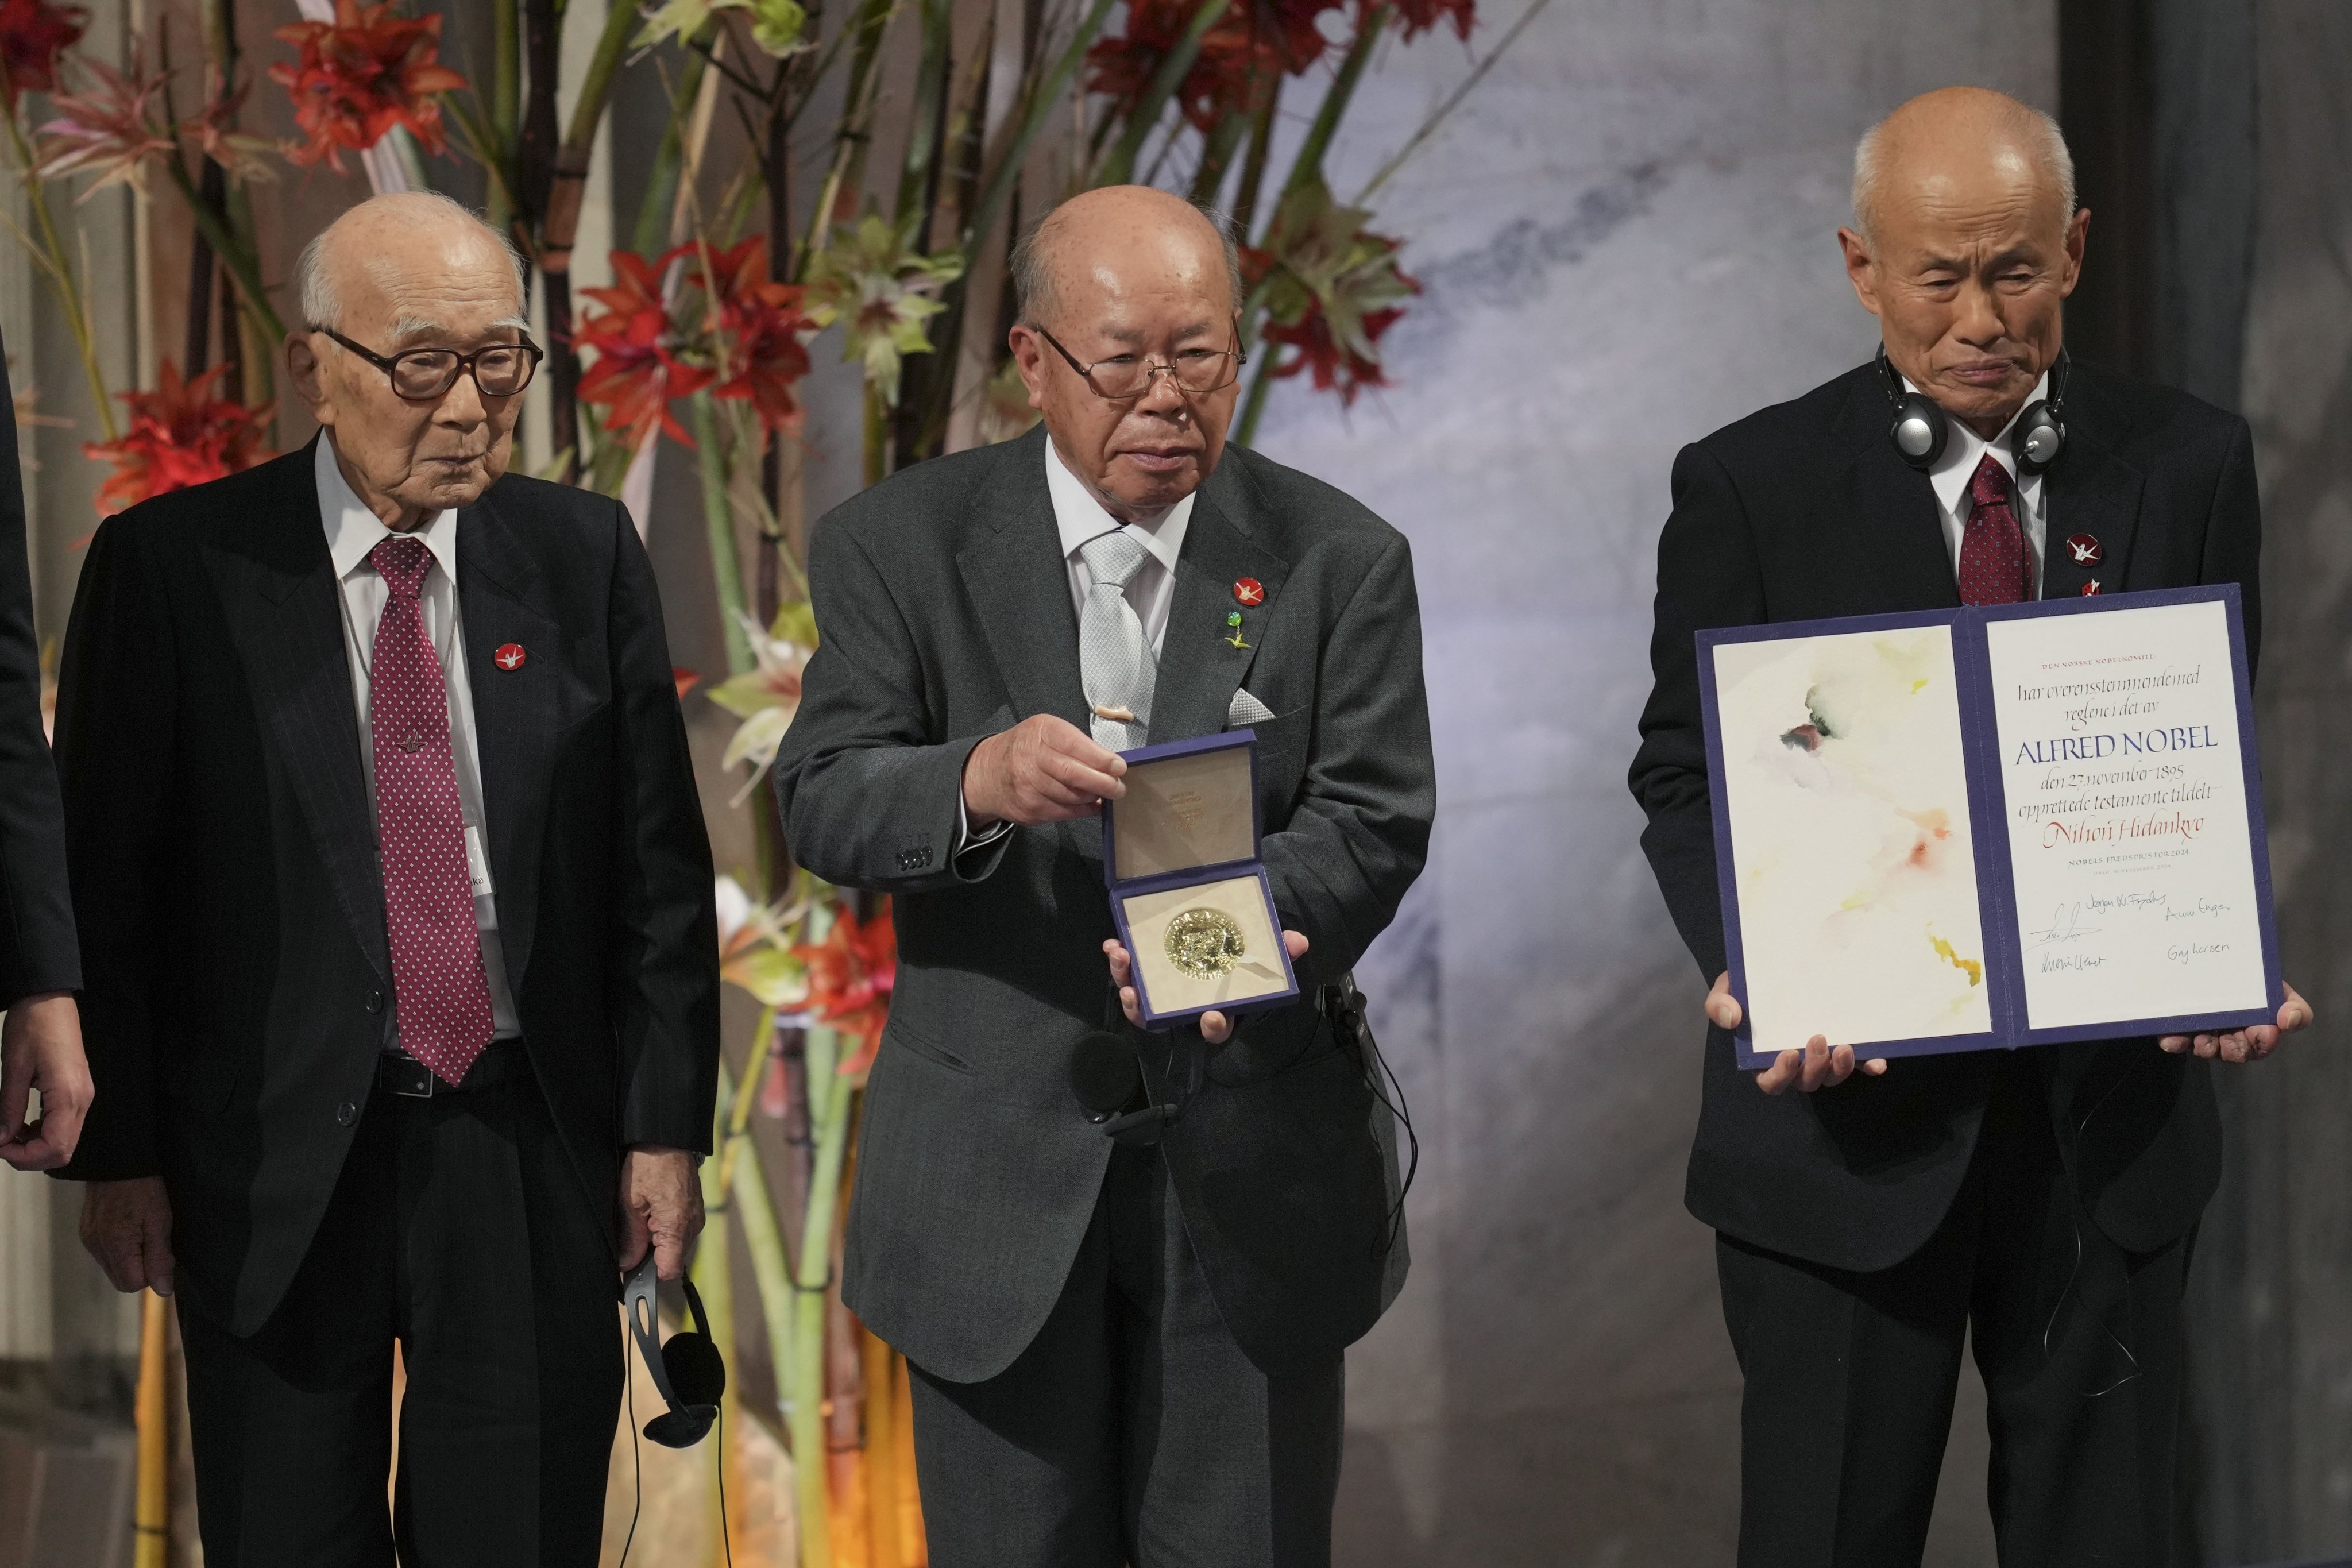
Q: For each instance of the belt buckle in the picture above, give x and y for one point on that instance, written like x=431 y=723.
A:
x=409 y=1078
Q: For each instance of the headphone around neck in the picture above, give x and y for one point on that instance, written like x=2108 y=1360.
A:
x=1920 y=429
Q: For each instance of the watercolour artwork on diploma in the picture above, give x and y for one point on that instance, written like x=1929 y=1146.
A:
x=1976 y=829
x=1855 y=858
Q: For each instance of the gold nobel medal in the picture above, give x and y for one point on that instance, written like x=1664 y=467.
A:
x=1205 y=943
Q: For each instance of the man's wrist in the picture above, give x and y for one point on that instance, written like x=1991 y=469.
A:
x=977 y=818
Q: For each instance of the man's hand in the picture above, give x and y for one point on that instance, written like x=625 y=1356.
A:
x=1215 y=1027
x=2251 y=1044
x=127 y=1226
x=1044 y=769
x=40 y=1047
x=661 y=1207
x=1819 y=1066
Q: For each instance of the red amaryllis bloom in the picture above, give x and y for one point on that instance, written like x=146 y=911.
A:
x=1335 y=364
x=638 y=369
x=764 y=330
x=850 y=976
x=1241 y=57
x=361 y=74
x=179 y=435
x=1420 y=15
x=110 y=131
x=33 y=34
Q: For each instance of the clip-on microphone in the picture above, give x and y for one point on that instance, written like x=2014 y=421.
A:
x=1106 y=1075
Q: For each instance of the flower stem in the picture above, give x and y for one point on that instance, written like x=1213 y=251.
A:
x=718 y=519
x=829 y=1125
x=1118 y=168
x=63 y=279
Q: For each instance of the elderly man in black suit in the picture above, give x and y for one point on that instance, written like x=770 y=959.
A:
x=1121 y=1354
x=2041 y=1204
x=402 y=967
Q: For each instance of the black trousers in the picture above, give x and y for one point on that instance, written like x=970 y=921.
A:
x=1851 y=1378
x=1132 y=1430
x=459 y=1229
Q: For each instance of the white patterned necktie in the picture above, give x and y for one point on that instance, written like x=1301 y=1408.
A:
x=1115 y=661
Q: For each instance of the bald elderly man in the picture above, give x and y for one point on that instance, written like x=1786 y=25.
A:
x=399 y=960
x=1123 y=1351
x=2038 y=1205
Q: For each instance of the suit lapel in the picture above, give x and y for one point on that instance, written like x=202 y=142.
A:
x=1897 y=525
x=290 y=632
x=1020 y=587
x=2090 y=493
x=1200 y=666
x=503 y=599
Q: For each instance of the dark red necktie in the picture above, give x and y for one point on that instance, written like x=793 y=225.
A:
x=1996 y=566
x=428 y=898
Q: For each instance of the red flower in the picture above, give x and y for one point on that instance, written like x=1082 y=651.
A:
x=1420 y=15
x=180 y=436
x=1333 y=362
x=745 y=334
x=762 y=330
x=1241 y=57
x=637 y=370
x=33 y=34
x=851 y=974
x=361 y=74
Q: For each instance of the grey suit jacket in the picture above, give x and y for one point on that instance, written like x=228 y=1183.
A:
x=943 y=604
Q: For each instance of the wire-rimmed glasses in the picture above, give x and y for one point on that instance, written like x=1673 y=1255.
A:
x=1123 y=378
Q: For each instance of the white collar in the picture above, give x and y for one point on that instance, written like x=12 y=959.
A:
x=1080 y=517
x=353 y=530
x=1964 y=449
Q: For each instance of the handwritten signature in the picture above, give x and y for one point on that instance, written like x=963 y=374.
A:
x=2192 y=950
x=2065 y=925
x=2206 y=909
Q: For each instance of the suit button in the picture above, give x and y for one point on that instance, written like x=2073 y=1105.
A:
x=374 y=1003
x=346 y=1113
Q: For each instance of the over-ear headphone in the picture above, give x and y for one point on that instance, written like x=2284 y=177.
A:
x=1919 y=429
x=686 y=1369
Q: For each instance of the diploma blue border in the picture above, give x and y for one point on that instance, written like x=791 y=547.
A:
x=1988 y=820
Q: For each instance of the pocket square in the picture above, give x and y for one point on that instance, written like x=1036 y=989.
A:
x=1246 y=709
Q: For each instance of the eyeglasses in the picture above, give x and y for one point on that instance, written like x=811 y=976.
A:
x=420 y=375
x=1123 y=378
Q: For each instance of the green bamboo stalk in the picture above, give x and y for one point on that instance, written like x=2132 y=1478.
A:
x=652 y=234
x=233 y=253
x=1309 y=164
x=506 y=104
x=1045 y=96
x=922 y=132
x=849 y=135
x=829 y=1129
x=1254 y=164
x=1217 y=150
x=713 y=1274
x=1118 y=168
x=719 y=518
x=772 y=1270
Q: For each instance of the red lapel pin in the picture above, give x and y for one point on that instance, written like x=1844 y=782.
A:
x=2086 y=550
x=2090 y=587
x=1249 y=591
x=510 y=656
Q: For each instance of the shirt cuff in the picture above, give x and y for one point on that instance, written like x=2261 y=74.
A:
x=965 y=838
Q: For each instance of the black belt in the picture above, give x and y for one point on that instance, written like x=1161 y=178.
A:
x=501 y=1060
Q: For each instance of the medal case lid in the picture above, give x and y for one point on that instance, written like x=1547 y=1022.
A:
x=1191 y=808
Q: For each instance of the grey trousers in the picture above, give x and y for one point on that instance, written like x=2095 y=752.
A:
x=1132 y=1430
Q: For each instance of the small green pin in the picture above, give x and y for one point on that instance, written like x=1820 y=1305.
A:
x=1234 y=619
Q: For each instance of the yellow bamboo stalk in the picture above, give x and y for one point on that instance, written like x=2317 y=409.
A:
x=152 y=1518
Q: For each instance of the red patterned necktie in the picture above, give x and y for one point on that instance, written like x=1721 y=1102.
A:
x=1995 y=567
x=443 y=998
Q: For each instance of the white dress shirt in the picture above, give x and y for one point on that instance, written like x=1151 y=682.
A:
x=1963 y=450
x=352 y=530
x=1080 y=517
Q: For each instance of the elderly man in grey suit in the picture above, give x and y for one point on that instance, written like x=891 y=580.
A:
x=1121 y=1353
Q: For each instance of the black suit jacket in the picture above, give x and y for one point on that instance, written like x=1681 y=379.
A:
x=37 y=951
x=943 y=601
x=1804 y=511
x=225 y=866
